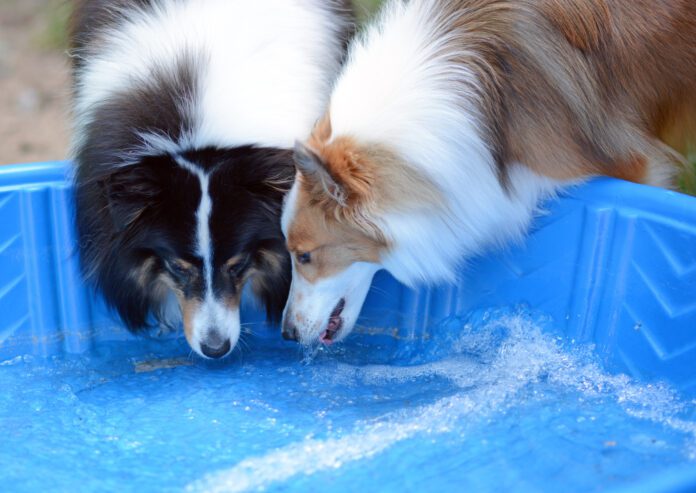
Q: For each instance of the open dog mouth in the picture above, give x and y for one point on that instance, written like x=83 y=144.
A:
x=335 y=324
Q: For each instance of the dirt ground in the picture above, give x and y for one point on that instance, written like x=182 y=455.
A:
x=34 y=81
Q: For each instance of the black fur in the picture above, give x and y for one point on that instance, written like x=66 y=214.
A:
x=135 y=223
x=155 y=106
x=89 y=20
x=135 y=212
x=136 y=204
x=128 y=220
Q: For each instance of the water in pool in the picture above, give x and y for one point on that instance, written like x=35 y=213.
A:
x=501 y=406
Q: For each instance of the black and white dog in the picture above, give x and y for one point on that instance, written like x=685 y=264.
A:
x=184 y=111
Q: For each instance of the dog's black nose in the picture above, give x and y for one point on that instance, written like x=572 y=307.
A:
x=214 y=346
x=290 y=332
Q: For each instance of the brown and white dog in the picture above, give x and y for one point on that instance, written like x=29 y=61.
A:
x=452 y=119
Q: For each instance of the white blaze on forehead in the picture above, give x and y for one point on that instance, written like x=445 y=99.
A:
x=213 y=314
x=205 y=208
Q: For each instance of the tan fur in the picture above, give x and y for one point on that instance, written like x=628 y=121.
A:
x=573 y=88
x=337 y=232
x=190 y=305
x=583 y=23
x=189 y=308
x=273 y=260
x=143 y=274
x=364 y=170
x=634 y=169
x=333 y=244
x=232 y=302
x=272 y=263
x=231 y=262
x=570 y=88
x=372 y=179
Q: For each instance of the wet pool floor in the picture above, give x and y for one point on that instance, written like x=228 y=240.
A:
x=502 y=406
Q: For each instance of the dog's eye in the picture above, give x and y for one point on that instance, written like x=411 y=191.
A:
x=304 y=258
x=179 y=271
x=237 y=270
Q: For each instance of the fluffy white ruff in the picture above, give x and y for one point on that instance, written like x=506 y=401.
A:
x=401 y=88
x=266 y=66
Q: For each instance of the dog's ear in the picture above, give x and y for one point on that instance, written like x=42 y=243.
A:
x=313 y=168
x=130 y=191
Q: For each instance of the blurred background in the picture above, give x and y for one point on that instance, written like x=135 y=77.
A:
x=34 y=78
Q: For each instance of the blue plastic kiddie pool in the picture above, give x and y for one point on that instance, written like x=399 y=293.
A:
x=566 y=364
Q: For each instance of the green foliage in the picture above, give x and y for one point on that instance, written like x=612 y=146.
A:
x=689 y=184
x=367 y=4
x=365 y=8
x=54 y=19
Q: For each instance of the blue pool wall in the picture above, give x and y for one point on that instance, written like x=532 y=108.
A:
x=610 y=262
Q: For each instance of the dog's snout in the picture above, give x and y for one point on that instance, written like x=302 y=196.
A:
x=290 y=332
x=215 y=346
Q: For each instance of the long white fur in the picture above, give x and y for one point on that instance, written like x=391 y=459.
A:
x=320 y=298
x=266 y=66
x=401 y=89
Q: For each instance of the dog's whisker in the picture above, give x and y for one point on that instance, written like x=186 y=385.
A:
x=383 y=292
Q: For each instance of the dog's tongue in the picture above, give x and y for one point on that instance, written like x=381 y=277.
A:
x=327 y=338
x=330 y=332
x=335 y=324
